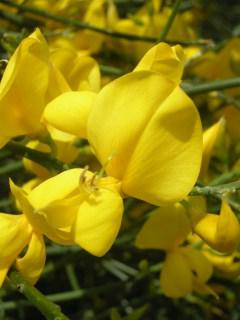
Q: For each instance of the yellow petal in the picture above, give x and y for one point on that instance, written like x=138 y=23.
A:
x=14 y=235
x=221 y=232
x=166 y=160
x=3 y=271
x=81 y=72
x=35 y=215
x=199 y=264
x=166 y=228
x=176 y=276
x=98 y=221
x=32 y=263
x=56 y=84
x=21 y=100
x=196 y=209
x=69 y=112
x=123 y=108
x=34 y=167
x=3 y=141
x=56 y=188
x=165 y=60
x=210 y=137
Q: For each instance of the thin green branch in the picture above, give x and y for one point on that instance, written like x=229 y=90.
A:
x=84 y=25
x=219 y=190
x=42 y=158
x=226 y=177
x=108 y=70
x=49 y=309
x=11 y=167
x=211 y=86
x=170 y=21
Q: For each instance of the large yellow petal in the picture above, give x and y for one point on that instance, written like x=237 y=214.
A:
x=24 y=86
x=98 y=221
x=166 y=160
x=121 y=112
x=69 y=112
x=166 y=228
x=165 y=60
x=32 y=263
x=176 y=276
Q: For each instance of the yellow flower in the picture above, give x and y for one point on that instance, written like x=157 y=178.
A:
x=145 y=132
x=226 y=266
x=144 y=24
x=221 y=232
x=76 y=207
x=69 y=111
x=149 y=137
x=17 y=233
x=28 y=83
x=145 y=119
x=221 y=65
x=185 y=269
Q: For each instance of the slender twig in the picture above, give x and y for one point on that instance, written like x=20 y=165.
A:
x=11 y=167
x=226 y=177
x=108 y=70
x=211 y=86
x=108 y=32
x=49 y=309
x=216 y=190
x=42 y=158
x=170 y=21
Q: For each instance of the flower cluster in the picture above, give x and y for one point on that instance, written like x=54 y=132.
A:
x=137 y=136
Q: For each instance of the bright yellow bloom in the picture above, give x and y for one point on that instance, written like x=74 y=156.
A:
x=145 y=132
x=17 y=233
x=144 y=24
x=221 y=232
x=133 y=110
x=28 y=83
x=76 y=207
x=185 y=269
x=227 y=266
x=69 y=112
x=149 y=137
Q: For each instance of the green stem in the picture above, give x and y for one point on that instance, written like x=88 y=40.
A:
x=72 y=277
x=42 y=158
x=215 y=190
x=108 y=70
x=49 y=309
x=170 y=21
x=84 y=25
x=11 y=167
x=226 y=177
x=211 y=86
